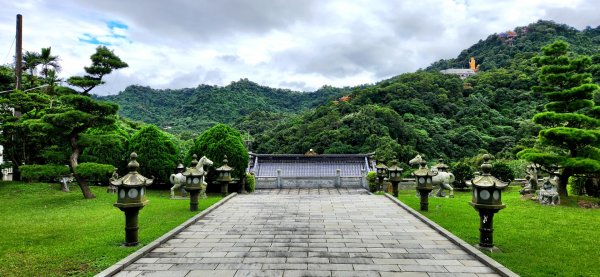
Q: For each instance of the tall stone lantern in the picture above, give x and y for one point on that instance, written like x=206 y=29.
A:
x=193 y=182
x=487 y=200
x=224 y=176
x=381 y=174
x=132 y=198
x=395 y=176
x=424 y=178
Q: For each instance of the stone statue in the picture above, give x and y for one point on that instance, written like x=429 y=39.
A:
x=112 y=188
x=177 y=180
x=548 y=193
x=531 y=183
x=443 y=180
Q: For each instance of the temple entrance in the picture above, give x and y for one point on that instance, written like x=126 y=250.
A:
x=310 y=170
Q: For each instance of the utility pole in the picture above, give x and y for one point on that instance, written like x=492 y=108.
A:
x=19 y=52
x=16 y=175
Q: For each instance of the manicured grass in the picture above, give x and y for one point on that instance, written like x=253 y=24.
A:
x=535 y=240
x=46 y=232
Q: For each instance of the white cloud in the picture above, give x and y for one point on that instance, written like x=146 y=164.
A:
x=281 y=43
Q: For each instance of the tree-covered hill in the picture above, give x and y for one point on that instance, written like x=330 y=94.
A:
x=435 y=114
x=196 y=109
x=504 y=49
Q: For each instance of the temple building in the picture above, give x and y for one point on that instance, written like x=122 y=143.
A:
x=310 y=170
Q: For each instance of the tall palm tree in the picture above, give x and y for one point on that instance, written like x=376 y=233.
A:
x=47 y=61
x=31 y=60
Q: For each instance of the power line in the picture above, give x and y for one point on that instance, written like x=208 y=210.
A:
x=10 y=49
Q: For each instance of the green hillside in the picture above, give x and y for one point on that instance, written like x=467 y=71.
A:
x=435 y=114
x=196 y=109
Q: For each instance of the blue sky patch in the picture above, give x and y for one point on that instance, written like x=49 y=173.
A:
x=116 y=35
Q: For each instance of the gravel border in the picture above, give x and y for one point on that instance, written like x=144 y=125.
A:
x=500 y=269
x=117 y=267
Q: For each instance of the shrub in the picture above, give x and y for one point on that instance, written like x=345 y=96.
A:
x=250 y=182
x=462 y=172
x=43 y=172
x=215 y=143
x=502 y=171
x=157 y=154
x=95 y=172
x=372 y=181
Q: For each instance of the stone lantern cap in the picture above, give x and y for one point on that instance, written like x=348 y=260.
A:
x=380 y=165
x=486 y=180
x=424 y=170
x=225 y=166
x=395 y=167
x=180 y=166
x=441 y=166
x=133 y=178
x=193 y=170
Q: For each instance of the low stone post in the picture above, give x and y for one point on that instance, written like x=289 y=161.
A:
x=338 y=178
x=279 y=182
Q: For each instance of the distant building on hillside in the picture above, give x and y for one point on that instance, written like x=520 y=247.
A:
x=463 y=73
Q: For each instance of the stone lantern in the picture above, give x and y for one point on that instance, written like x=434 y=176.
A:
x=224 y=176
x=424 y=178
x=441 y=166
x=381 y=174
x=395 y=176
x=132 y=198
x=487 y=200
x=193 y=182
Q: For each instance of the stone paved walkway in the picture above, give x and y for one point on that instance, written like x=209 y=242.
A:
x=325 y=232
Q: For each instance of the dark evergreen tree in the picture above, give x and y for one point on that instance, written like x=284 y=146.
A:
x=568 y=142
x=218 y=141
x=104 y=61
x=156 y=152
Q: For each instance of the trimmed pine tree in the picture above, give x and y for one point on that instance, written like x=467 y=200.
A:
x=570 y=136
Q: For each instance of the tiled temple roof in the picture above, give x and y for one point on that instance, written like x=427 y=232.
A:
x=299 y=165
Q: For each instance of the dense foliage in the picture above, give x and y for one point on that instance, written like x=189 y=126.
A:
x=570 y=137
x=95 y=172
x=45 y=172
x=217 y=142
x=197 y=109
x=157 y=154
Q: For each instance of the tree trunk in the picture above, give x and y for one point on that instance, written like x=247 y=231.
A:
x=85 y=189
x=563 y=181
x=16 y=175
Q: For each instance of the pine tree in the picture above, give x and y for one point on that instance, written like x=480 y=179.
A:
x=570 y=137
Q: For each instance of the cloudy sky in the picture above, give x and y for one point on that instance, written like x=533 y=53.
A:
x=295 y=44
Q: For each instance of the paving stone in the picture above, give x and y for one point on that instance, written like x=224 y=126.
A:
x=308 y=232
x=211 y=273
x=355 y=274
x=259 y=273
x=306 y=273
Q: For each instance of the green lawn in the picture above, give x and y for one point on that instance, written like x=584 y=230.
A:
x=535 y=240
x=46 y=232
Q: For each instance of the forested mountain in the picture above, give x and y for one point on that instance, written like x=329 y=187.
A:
x=425 y=111
x=196 y=109
x=438 y=115
x=518 y=45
